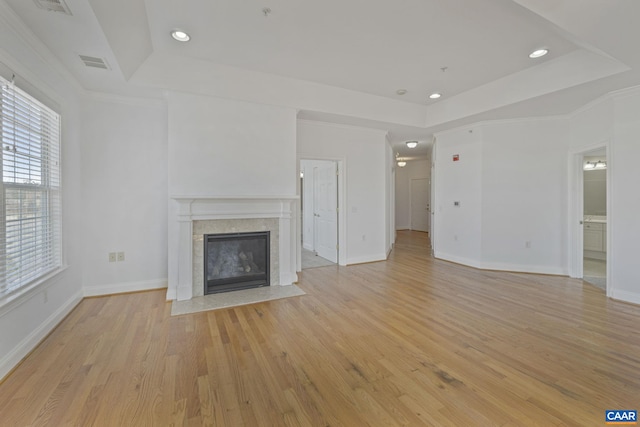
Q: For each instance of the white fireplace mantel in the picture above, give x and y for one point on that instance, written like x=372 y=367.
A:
x=202 y=208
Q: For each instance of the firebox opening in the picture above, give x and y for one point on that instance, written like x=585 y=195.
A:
x=234 y=261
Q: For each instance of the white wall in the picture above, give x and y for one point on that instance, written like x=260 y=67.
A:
x=415 y=169
x=221 y=147
x=31 y=316
x=524 y=195
x=363 y=153
x=519 y=189
x=225 y=147
x=511 y=182
x=623 y=225
x=459 y=233
x=125 y=194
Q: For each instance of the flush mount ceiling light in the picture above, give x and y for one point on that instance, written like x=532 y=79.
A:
x=412 y=144
x=435 y=95
x=401 y=91
x=180 y=36
x=538 y=53
x=402 y=163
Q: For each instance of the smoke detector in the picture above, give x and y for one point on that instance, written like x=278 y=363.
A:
x=92 y=61
x=53 y=6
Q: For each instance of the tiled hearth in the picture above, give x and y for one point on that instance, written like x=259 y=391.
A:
x=197 y=216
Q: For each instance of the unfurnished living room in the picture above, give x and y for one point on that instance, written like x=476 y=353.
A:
x=233 y=213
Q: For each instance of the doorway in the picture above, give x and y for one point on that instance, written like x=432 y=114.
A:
x=319 y=196
x=420 y=204
x=589 y=216
x=594 y=230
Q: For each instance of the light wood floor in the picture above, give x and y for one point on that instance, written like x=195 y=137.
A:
x=412 y=341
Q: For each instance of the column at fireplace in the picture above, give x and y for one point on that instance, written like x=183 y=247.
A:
x=185 y=244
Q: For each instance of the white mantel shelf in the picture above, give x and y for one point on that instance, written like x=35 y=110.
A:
x=199 y=207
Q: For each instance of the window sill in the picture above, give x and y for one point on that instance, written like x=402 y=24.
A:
x=18 y=297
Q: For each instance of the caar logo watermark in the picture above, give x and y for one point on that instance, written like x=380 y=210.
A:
x=620 y=416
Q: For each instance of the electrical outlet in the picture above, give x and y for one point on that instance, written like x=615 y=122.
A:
x=364 y=237
x=527 y=244
x=120 y=256
x=112 y=257
x=455 y=237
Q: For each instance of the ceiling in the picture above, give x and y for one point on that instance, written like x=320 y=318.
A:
x=475 y=53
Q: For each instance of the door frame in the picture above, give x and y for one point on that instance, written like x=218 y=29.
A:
x=341 y=163
x=576 y=211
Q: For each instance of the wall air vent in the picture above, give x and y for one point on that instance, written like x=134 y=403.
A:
x=53 y=6
x=92 y=61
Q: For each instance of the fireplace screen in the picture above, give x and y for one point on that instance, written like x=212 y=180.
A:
x=235 y=261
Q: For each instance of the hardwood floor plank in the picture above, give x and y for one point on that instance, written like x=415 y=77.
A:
x=410 y=341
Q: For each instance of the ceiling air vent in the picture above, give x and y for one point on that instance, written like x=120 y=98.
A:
x=53 y=6
x=92 y=61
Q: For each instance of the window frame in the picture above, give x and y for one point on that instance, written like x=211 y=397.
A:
x=44 y=245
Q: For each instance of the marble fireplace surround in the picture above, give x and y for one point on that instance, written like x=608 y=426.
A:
x=219 y=214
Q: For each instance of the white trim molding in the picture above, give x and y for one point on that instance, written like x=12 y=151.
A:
x=13 y=358
x=120 y=288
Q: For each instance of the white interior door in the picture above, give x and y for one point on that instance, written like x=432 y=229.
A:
x=325 y=196
x=420 y=204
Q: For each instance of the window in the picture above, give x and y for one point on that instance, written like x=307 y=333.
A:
x=30 y=197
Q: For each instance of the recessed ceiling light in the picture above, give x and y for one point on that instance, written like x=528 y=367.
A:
x=435 y=95
x=180 y=36
x=412 y=144
x=401 y=91
x=538 y=53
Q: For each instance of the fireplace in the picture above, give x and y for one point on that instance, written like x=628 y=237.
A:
x=197 y=216
x=234 y=261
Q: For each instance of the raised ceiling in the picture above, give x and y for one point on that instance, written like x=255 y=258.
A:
x=473 y=52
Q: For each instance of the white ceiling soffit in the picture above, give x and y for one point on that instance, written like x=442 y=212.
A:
x=124 y=23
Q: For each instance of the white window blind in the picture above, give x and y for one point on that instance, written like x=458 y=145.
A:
x=30 y=211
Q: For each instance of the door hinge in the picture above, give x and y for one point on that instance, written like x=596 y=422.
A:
x=337 y=246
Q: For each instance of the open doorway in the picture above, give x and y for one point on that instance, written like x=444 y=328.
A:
x=594 y=229
x=319 y=206
x=589 y=216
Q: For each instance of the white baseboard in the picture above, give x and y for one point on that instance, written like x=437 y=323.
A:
x=119 y=288
x=172 y=294
x=632 y=297
x=457 y=259
x=8 y=362
x=518 y=268
x=307 y=247
x=366 y=258
x=602 y=256
x=288 y=278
